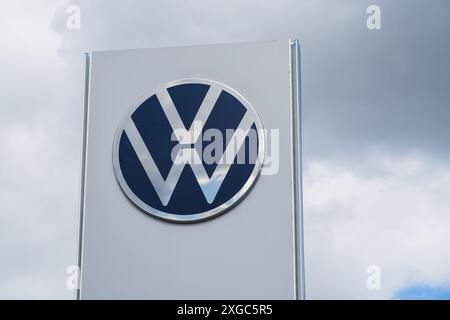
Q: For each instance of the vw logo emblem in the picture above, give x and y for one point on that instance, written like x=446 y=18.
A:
x=189 y=150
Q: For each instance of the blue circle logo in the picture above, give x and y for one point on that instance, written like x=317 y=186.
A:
x=189 y=150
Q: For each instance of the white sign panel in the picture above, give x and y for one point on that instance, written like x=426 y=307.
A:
x=191 y=173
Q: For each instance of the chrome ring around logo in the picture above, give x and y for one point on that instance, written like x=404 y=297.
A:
x=185 y=192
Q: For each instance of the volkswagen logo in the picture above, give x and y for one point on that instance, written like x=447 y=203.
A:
x=188 y=150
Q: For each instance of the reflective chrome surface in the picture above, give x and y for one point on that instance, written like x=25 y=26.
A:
x=87 y=75
x=297 y=169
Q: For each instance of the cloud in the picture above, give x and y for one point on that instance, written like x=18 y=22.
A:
x=396 y=219
x=39 y=139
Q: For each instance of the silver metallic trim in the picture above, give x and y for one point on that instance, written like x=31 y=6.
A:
x=298 y=178
x=87 y=75
x=212 y=185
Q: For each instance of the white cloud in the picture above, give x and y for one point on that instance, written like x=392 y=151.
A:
x=398 y=220
x=39 y=139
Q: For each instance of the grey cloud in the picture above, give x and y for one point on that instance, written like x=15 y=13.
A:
x=389 y=86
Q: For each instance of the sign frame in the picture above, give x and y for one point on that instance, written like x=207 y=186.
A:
x=297 y=182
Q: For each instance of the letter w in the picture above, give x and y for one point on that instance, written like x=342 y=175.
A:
x=209 y=185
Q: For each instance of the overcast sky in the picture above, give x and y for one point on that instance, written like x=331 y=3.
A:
x=376 y=113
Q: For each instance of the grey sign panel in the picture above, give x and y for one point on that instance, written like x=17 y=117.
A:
x=132 y=245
